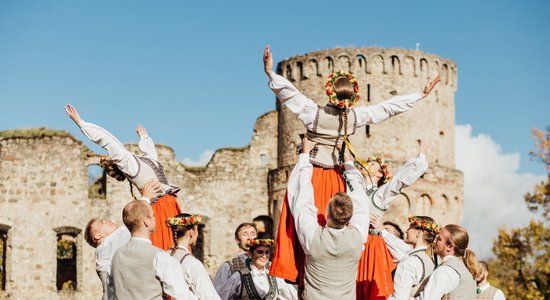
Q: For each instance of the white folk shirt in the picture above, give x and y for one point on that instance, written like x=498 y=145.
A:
x=442 y=281
x=302 y=207
x=306 y=109
x=196 y=277
x=406 y=175
x=499 y=295
x=104 y=254
x=232 y=286
x=168 y=272
x=224 y=272
x=409 y=270
x=123 y=158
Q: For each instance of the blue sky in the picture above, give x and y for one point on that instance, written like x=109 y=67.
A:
x=191 y=71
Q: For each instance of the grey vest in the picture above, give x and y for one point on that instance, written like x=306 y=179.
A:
x=466 y=289
x=328 y=131
x=147 y=170
x=488 y=294
x=428 y=266
x=331 y=265
x=133 y=272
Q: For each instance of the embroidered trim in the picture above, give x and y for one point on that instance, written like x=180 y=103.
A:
x=371 y=193
x=354 y=121
x=316 y=121
x=318 y=164
x=248 y=283
x=139 y=168
x=159 y=171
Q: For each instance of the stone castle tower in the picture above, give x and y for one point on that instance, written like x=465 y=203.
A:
x=45 y=203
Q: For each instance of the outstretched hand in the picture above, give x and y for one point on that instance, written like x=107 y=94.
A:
x=268 y=61
x=151 y=189
x=141 y=131
x=430 y=86
x=73 y=114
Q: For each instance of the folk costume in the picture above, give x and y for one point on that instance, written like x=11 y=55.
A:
x=104 y=256
x=254 y=284
x=143 y=271
x=332 y=254
x=374 y=280
x=228 y=268
x=193 y=270
x=325 y=125
x=450 y=280
x=415 y=266
x=139 y=170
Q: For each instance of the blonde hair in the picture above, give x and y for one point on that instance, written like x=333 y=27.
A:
x=459 y=239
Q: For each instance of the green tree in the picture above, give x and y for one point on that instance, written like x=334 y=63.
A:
x=522 y=264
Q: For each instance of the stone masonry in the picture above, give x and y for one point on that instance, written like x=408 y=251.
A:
x=44 y=173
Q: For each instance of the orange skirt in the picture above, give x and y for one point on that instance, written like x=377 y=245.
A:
x=166 y=207
x=374 y=279
x=288 y=259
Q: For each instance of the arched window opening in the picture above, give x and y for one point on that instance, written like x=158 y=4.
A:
x=66 y=276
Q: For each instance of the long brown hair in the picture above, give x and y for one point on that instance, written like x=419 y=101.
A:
x=459 y=239
x=343 y=88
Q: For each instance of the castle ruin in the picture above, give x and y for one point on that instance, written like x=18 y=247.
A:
x=45 y=203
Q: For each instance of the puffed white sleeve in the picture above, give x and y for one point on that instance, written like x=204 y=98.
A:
x=223 y=273
x=407 y=274
x=442 y=281
x=300 y=201
x=123 y=158
x=297 y=102
x=397 y=247
x=230 y=287
x=405 y=176
x=286 y=291
x=376 y=113
x=147 y=146
x=356 y=191
x=168 y=270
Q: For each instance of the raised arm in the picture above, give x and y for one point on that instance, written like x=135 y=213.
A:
x=405 y=176
x=123 y=158
x=300 y=198
x=377 y=113
x=358 y=195
x=146 y=144
x=288 y=94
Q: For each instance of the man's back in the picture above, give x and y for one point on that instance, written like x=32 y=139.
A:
x=133 y=271
x=331 y=265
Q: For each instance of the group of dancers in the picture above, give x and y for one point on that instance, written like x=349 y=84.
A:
x=331 y=243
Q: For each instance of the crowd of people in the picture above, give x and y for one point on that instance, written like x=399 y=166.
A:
x=332 y=241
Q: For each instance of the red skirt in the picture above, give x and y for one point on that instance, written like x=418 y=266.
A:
x=374 y=280
x=289 y=258
x=166 y=207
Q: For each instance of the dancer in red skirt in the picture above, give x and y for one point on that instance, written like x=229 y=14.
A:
x=121 y=164
x=326 y=125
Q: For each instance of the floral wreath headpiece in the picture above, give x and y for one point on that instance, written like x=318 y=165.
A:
x=383 y=166
x=111 y=168
x=331 y=93
x=424 y=225
x=260 y=242
x=183 y=221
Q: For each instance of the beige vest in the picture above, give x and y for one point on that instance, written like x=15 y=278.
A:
x=487 y=294
x=466 y=289
x=147 y=170
x=331 y=265
x=133 y=272
x=428 y=266
x=328 y=132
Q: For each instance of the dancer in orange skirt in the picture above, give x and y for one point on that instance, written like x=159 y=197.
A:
x=374 y=280
x=121 y=164
x=326 y=125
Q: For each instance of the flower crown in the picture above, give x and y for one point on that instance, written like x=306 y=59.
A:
x=112 y=169
x=183 y=221
x=329 y=87
x=383 y=166
x=260 y=242
x=424 y=225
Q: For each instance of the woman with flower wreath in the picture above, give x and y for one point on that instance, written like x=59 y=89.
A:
x=374 y=279
x=254 y=282
x=415 y=255
x=186 y=231
x=122 y=164
x=327 y=126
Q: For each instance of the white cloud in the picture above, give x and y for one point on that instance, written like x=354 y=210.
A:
x=493 y=188
x=204 y=158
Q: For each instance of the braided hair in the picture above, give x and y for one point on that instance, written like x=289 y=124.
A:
x=179 y=231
